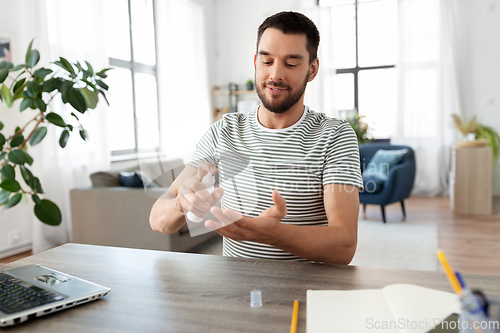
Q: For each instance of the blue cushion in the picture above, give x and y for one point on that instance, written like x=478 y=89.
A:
x=372 y=185
x=130 y=179
x=382 y=162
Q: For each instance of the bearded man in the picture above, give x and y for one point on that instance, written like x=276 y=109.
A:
x=289 y=177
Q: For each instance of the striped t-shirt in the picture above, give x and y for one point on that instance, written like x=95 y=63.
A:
x=298 y=161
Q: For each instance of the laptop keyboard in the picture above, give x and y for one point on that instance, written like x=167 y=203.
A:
x=14 y=297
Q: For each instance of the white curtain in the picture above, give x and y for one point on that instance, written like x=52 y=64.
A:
x=182 y=75
x=427 y=89
x=71 y=29
x=320 y=93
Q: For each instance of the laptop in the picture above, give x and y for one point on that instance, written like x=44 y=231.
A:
x=32 y=291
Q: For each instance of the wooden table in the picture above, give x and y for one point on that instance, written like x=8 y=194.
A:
x=154 y=291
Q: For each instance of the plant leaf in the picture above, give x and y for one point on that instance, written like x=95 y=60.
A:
x=40 y=104
x=63 y=139
x=49 y=85
x=103 y=74
x=3 y=74
x=42 y=72
x=4 y=197
x=28 y=52
x=76 y=99
x=55 y=119
x=38 y=135
x=91 y=97
x=28 y=158
x=2 y=139
x=84 y=134
x=7 y=95
x=17 y=156
x=63 y=85
x=104 y=95
x=1 y=126
x=25 y=103
x=18 y=84
x=66 y=65
x=16 y=68
x=101 y=84
x=48 y=212
x=36 y=198
x=33 y=59
x=10 y=185
x=8 y=172
x=27 y=175
x=34 y=183
x=90 y=69
x=13 y=201
x=5 y=64
x=16 y=140
x=32 y=89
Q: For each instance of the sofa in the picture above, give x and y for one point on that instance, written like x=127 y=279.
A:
x=111 y=214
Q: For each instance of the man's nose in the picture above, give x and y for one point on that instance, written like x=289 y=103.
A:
x=277 y=73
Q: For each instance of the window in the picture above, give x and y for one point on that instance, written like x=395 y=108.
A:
x=133 y=118
x=365 y=40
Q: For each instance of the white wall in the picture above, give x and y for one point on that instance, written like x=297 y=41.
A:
x=236 y=24
x=478 y=61
x=18 y=21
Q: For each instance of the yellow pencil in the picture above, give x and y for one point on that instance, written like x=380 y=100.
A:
x=455 y=284
x=295 y=317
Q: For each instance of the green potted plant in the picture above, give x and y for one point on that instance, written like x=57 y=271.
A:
x=78 y=86
x=481 y=132
x=361 y=128
x=249 y=85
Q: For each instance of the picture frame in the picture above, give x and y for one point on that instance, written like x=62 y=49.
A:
x=5 y=48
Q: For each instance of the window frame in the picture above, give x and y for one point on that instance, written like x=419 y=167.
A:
x=357 y=69
x=137 y=67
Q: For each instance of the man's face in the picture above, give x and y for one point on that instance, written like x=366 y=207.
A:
x=282 y=69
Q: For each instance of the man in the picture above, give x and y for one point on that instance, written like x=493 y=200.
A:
x=289 y=176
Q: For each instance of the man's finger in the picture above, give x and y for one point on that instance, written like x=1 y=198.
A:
x=188 y=207
x=279 y=203
x=218 y=213
x=205 y=167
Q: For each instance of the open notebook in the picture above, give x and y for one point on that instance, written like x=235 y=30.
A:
x=395 y=308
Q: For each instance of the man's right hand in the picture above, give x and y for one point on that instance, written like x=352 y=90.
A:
x=193 y=196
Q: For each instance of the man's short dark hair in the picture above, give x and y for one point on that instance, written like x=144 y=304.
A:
x=293 y=23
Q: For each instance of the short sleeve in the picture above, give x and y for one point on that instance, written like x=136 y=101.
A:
x=342 y=158
x=207 y=146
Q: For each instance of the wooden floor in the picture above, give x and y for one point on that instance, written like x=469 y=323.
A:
x=471 y=243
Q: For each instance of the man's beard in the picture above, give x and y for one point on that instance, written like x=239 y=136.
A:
x=287 y=103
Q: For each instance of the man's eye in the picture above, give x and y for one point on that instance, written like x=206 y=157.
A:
x=290 y=65
x=267 y=62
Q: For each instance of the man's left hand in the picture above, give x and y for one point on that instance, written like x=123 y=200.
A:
x=261 y=229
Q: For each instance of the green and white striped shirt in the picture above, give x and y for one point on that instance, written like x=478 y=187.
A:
x=297 y=161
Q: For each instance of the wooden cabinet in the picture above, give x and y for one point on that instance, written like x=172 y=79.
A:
x=471 y=180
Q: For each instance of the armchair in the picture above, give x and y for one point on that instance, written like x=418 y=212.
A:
x=399 y=182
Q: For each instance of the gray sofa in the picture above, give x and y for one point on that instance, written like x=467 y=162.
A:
x=113 y=215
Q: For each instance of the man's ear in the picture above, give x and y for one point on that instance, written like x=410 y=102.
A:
x=255 y=60
x=313 y=70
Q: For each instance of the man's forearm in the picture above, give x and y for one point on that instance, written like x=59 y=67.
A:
x=165 y=217
x=329 y=244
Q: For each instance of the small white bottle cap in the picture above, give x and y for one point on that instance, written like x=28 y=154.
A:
x=255 y=298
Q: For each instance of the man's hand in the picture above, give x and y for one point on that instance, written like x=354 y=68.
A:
x=192 y=196
x=262 y=229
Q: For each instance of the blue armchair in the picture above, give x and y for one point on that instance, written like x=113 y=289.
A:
x=399 y=183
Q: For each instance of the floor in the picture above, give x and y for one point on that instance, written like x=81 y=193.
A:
x=471 y=243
